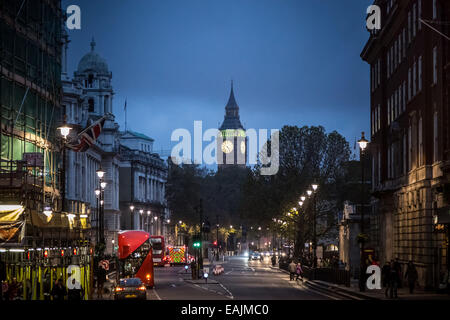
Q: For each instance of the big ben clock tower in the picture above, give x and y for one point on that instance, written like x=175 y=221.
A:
x=232 y=142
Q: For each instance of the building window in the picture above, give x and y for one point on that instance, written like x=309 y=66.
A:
x=419 y=14
x=409 y=84
x=389 y=111
x=388 y=63
x=404 y=154
x=389 y=162
x=414 y=79
x=420 y=74
x=435 y=137
x=404 y=96
x=409 y=27
x=435 y=65
x=410 y=152
x=90 y=80
x=404 y=42
x=414 y=20
x=379 y=167
x=379 y=117
x=91 y=105
x=434 y=9
x=420 y=143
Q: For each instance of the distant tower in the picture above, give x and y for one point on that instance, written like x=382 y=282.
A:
x=233 y=142
x=95 y=78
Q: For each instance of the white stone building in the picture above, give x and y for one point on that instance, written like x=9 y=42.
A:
x=86 y=98
x=143 y=176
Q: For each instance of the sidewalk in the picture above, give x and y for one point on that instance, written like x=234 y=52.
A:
x=403 y=293
x=353 y=290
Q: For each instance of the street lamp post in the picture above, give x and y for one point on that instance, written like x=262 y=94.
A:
x=362 y=146
x=65 y=131
x=97 y=218
x=217 y=238
x=132 y=217
x=102 y=212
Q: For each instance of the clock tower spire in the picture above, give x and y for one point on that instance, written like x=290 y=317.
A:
x=233 y=143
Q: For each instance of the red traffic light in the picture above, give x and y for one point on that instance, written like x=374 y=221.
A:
x=62 y=253
x=28 y=255
x=74 y=251
x=45 y=253
x=215 y=243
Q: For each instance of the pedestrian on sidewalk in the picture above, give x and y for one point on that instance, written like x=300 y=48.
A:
x=411 y=275
x=292 y=269
x=385 y=275
x=101 y=279
x=5 y=290
x=59 y=291
x=394 y=280
x=398 y=268
x=299 y=271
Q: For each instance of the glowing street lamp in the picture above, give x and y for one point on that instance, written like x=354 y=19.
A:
x=309 y=193
x=300 y=203
x=64 y=130
x=363 y=142
x=303 y=198
x=103 y=185
x=100 y=173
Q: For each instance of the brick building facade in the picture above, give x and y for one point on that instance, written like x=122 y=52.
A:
x=409 y=133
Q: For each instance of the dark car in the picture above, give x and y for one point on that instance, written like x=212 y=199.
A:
x=130 y=288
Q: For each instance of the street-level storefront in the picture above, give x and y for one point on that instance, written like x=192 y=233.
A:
x=442 y=234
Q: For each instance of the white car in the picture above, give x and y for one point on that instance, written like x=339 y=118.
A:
x=218 y=269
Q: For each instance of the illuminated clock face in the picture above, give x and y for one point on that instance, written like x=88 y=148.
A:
x=242 y=147
x=227 y=146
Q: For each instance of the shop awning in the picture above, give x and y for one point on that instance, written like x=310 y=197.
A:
x=11 y=223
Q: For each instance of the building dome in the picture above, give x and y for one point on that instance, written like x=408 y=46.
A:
x=92 y=62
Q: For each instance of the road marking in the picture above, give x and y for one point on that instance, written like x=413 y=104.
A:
x=156 y=294
x=229 y=272
x=228 y=291
x=172 y=285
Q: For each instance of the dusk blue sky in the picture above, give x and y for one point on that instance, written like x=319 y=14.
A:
x=293 y=62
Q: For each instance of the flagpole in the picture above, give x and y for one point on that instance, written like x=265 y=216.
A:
x=125 y=115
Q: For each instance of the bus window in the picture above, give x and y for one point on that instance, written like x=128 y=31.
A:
x=135 y=260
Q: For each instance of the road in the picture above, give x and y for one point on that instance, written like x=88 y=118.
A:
x=241 y=280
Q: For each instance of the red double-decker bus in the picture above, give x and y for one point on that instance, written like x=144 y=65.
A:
x=159 y=250
x=135 y=254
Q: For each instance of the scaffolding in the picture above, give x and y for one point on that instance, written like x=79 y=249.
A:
x=30 y=112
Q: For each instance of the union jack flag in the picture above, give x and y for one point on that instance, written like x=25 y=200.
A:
x=88 y=136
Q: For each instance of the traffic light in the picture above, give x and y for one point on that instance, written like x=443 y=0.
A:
x=215 y=243
x=196 y=241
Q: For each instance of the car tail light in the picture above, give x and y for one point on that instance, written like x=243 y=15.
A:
x=119 y=289
x=142 y=288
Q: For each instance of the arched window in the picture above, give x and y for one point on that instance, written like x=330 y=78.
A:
x=90 y=80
